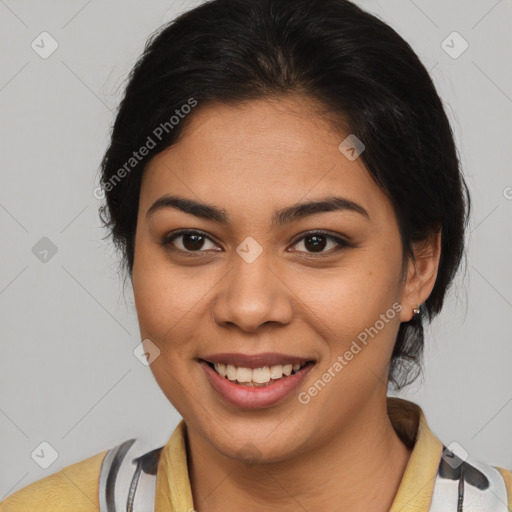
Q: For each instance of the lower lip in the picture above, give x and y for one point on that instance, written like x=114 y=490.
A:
x=250 y=397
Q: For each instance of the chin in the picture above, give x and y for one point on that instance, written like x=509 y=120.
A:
x=263 y=447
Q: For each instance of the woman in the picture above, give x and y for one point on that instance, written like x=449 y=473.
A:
x=283 y=185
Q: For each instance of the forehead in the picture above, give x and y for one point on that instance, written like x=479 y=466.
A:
x=257 y=153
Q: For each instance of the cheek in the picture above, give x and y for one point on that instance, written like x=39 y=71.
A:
x=167 y=318
x=166 y=300
x=153 y=303
x=352 y=296
x=358 y=303
x=359 y=312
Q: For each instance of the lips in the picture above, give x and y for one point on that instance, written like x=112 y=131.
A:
x=254 y=381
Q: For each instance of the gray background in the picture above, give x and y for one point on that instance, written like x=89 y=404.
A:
x=67 y=372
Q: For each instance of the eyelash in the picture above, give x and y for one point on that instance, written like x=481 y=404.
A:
x=168 y=240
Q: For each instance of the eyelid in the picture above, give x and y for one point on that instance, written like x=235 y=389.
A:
x=322 y=232
x=337 y=238
x=169 y=238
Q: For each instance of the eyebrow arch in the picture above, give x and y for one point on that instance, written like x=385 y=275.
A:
x=284 y=216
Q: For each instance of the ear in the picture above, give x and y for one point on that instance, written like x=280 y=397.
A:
x=421 y=274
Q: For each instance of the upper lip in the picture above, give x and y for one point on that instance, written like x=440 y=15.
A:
x=255 y=360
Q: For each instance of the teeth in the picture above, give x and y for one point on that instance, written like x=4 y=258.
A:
x=276 y=371
x=230 y=372
x=260 y=375
x=221 y=369
x=243 y=374
x=256 y=376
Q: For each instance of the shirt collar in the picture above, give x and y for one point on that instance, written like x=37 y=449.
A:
x=173 y=490
x=417 y=485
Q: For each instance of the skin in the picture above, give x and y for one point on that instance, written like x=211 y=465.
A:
x=250 y=160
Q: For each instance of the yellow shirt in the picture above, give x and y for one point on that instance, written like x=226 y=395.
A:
x=75 y=488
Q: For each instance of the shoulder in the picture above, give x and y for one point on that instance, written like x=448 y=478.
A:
x=507 y=478
x=75 y=487
x=124 y=474
x=479 y=486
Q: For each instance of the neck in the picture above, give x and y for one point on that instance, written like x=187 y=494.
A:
x=358 y=469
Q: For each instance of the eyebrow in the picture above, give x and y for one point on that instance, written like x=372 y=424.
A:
x=280 y=217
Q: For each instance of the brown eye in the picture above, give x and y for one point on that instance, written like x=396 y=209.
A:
x=189 y=241
x=193 y=242
x=316 y=243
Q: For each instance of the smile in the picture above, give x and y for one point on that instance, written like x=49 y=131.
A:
x=257 y=377
x=255 y=381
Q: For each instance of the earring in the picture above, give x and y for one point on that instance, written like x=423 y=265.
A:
x=416 y=310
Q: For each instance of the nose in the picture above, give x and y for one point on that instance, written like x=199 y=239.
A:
x=251 y=295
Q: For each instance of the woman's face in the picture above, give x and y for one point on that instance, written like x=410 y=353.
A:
x=256 y=287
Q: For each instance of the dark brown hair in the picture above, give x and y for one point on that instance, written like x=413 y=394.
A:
x=333 y=52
